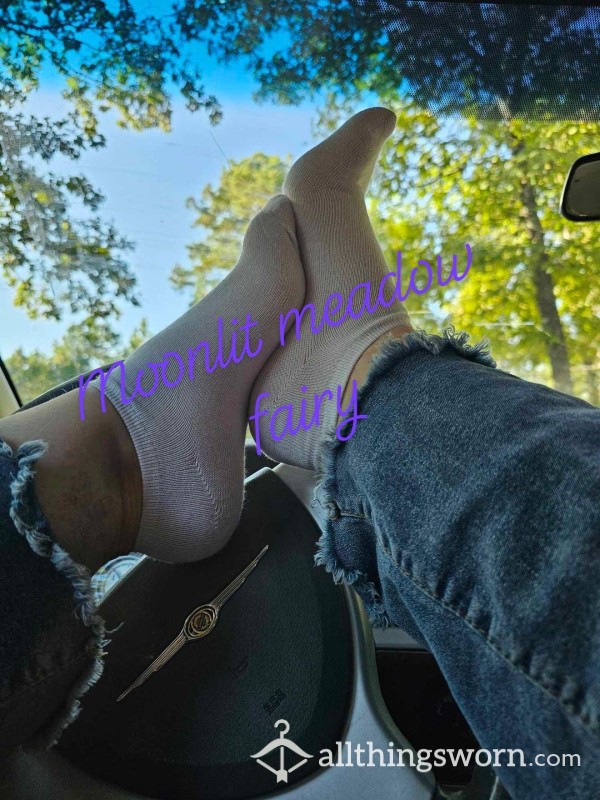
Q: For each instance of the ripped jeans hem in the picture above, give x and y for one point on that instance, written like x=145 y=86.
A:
x=326 y=489
x=31 y=525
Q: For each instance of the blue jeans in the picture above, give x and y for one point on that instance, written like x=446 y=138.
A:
x=466 y=510
x=51 y=638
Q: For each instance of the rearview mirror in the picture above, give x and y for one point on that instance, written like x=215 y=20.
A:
x=580 y=200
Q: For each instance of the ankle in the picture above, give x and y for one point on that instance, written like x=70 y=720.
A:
x=111 y=500
x=362 y=367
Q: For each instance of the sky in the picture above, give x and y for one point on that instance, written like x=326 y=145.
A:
x=146 y=178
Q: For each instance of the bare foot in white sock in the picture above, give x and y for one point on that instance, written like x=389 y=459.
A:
x=188 y=415
x=339 y=252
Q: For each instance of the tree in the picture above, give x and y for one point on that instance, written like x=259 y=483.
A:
x=447 y=57
x=443 y=185
x=50 y=258
x=501 y=62
x=431 y=195
x=224 y=213
x=84 y=346
x=110 y=58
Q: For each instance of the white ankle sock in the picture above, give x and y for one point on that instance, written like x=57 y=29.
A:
x=339 y=251
x=189 y=437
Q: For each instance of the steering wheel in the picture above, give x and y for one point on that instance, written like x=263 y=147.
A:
x=287 y=673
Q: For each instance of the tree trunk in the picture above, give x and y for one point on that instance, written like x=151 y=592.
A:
x=542 y=279
x=544 y=295
x=593 y=390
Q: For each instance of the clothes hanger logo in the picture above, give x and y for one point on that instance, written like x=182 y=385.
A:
x=282 y=744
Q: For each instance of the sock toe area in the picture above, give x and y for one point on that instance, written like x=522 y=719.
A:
x=345 y=160
x=378 y=121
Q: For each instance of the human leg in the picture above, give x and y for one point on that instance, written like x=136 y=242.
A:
x=185 y=393
x=87 y=480
x=351 y=297
x=73 y=488
x=466 y=509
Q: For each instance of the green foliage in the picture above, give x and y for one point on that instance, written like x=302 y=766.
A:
x=51 y=259
x=84 y=346
x=446 y=183
x=110 y=58
x=495 y=183
x=139 y=335
x=453 y=56
x=223 y=214
x=442 y=183
x=110 y=55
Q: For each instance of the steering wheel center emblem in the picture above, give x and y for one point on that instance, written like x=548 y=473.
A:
x=201 y=622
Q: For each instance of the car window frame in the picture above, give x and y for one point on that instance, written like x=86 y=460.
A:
x=10 y=399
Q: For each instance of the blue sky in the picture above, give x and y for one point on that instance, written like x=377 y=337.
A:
x=146 y=178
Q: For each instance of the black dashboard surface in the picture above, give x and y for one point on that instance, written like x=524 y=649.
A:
x=280 y=650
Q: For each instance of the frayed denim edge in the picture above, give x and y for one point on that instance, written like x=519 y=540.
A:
x=326 y=557
x=78 y=576
x=325 y=478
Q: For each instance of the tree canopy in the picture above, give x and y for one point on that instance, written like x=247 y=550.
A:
x=498 y=64
x=223 y=213
x=442 y=183
x=108 y=57
x=494 y=103
x=447 y=56
x=84 y=346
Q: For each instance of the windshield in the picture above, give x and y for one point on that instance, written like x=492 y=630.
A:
x=136 y=143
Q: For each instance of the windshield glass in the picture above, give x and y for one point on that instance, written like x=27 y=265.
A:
x=136 y=143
